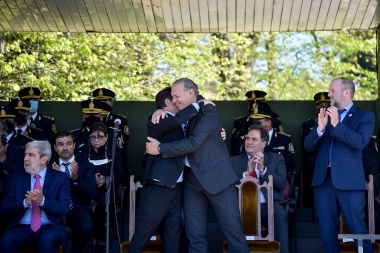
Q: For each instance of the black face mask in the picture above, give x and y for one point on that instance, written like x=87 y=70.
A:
x=91 y=120
x=20 y=119
x=8 y=127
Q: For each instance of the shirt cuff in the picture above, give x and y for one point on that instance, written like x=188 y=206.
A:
x=264 y=171
x=43 y=201
x=319 y=132
x=25 y=205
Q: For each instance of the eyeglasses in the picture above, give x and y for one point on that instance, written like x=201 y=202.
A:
x=98 y=138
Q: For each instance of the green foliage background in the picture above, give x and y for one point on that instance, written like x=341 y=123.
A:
x=288 y=66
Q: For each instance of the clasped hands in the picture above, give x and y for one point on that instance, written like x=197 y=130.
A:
x=323 y=114
x=256 y=161
x=34 y=195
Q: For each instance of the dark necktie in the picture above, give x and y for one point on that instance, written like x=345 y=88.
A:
x=31 y=121
x=340 y=112
x=18 y=131
x=67 y=171
x=35 y=223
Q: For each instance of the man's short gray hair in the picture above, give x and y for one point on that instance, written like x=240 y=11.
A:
x=44 y=148
x=188 y=84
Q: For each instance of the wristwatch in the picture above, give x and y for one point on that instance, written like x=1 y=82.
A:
x=158 y=148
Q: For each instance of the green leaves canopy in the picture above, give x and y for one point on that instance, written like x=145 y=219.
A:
x=288 y=66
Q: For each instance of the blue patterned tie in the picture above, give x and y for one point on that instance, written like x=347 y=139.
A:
x=67 y=171
x=340 y=112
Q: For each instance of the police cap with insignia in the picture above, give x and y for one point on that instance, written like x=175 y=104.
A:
x=19 y=104
x=106 y=108
x=91 y=106
x=7 y=112
x=322 y=96
x=29 y=93
x=255 y=95
x=261 y=110
x=103 y=94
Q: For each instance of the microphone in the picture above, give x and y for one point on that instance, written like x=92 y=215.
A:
x=117 y=123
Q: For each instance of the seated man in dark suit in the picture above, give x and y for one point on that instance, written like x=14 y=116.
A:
x=83 y=190
x=260 y=164
x=35 y=203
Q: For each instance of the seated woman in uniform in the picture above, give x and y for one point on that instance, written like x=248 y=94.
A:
x=99 y=153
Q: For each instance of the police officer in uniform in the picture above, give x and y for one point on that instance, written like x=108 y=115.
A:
x=242 y=123
x=7 y=118
x=321 y=99
x=36 y=119
x=21 y=107
x=107 y=96
x=278 y=142
x=92 y=111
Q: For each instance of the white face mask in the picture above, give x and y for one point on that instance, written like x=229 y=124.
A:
x=33 y=106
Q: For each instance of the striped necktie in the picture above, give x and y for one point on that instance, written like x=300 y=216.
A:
x=67 y=171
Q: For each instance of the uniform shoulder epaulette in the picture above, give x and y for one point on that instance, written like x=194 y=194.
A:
x=120 y=115
x=241 y=117
x=78 y=129
x=288 y=135
x=48 y=117
x=309 y=119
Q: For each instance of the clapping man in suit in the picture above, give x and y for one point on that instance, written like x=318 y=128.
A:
x=35 y=203
x=83 y=190
x=341 y=133
x=209 y=175
x=261 y=164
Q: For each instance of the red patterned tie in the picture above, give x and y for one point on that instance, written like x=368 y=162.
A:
x=35 y=224
x=253 y=174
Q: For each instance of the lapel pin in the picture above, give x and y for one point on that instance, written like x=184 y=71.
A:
x=350 y=115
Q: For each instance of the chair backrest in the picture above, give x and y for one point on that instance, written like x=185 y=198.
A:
x=249 y=204
x=133 y=187
x=371 y=211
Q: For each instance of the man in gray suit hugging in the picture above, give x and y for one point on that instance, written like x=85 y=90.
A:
x=209 y=176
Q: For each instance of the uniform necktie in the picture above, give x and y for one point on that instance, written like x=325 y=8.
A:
x=35 y=223
x=67 y=171
x=18 y=131
x=31 y=121
x=340 y=112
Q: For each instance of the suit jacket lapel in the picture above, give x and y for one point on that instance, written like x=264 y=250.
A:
x=27 y=183
x=48 y=178
x=349 y=114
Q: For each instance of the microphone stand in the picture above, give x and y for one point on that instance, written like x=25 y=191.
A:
x=109 y=181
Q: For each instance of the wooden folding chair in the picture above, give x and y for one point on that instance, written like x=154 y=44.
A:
x=249 y=204
x=153 y=245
